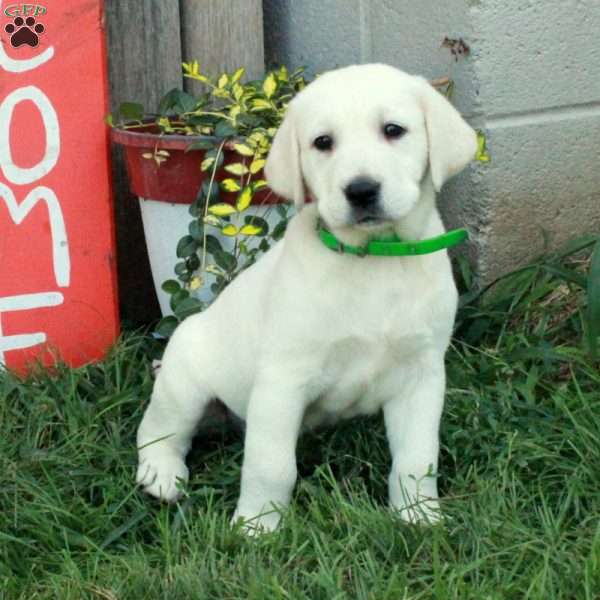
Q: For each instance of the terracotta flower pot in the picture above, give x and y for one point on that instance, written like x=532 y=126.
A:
x=165 y=192
x=178 y=179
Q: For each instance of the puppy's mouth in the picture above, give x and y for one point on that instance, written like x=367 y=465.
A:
x=370 y=221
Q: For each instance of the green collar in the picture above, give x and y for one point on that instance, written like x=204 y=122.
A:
x=393 y=245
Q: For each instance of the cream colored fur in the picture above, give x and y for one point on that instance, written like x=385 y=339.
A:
x=306 y=335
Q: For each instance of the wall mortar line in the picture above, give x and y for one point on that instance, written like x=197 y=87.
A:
x=552 y=113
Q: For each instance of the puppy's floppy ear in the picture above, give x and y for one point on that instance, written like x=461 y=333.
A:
x=283 y=171
x=452 y=142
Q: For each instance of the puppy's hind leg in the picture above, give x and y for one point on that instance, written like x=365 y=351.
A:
x=165 y=434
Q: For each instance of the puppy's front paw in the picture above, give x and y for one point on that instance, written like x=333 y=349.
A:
x=425 y=511
x=162 y=474
x=415 y=500
x=256 y=525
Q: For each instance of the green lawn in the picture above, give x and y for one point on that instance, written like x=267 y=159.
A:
x=520 y=476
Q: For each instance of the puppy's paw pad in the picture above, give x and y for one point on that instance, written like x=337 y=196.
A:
x=162 y=476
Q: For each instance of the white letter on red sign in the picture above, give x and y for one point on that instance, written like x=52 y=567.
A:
x=12 y=172
x=60 y=245
x=25 y=302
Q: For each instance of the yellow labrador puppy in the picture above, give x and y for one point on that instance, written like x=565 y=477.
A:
x=309 y=334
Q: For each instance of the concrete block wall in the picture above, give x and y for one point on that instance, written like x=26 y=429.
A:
x=531 y=82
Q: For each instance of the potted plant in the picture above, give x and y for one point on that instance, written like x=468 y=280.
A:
x=196 y=167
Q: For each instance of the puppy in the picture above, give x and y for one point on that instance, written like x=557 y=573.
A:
x=309 y=335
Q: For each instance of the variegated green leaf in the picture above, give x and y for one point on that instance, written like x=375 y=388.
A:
x=230 y=185
x=259 y=184
x=164 y=123
x=243 y=150
x=214 y=270
x=197 y=77
x=244 y=199
x=206 y=164
x=260 y=104
x=257 y=165
x=212 y=220
x=283 y=74
x=257 y=138
x=229 y=230
x=270 y=85
x=220 y=93
x=237 y=75
x=222 y=209
x=192 y=70
x=250 y=230
x=223 y=81
x=238 y=91
x=196 y=283
x=237 y=169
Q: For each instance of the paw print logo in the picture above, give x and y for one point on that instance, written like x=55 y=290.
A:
x=24 y=31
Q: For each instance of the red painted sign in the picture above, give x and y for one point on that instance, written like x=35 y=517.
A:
x=57 y=263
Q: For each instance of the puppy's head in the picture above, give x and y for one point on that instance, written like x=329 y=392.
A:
x=360 y=141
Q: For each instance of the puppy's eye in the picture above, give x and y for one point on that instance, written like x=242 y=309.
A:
x=323 y=143
x=393 y=131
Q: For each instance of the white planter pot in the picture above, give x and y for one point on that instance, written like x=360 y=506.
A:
x=164 y=225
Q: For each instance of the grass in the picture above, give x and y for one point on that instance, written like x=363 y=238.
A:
x=520 y=476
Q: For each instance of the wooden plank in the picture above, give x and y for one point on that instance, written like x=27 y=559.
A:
x=222 y=36
x=144 y=44
x=144 y=49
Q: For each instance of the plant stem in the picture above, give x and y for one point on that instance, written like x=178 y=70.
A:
x=212 y=180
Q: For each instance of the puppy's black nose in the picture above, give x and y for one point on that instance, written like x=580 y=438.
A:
x=362 y=192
